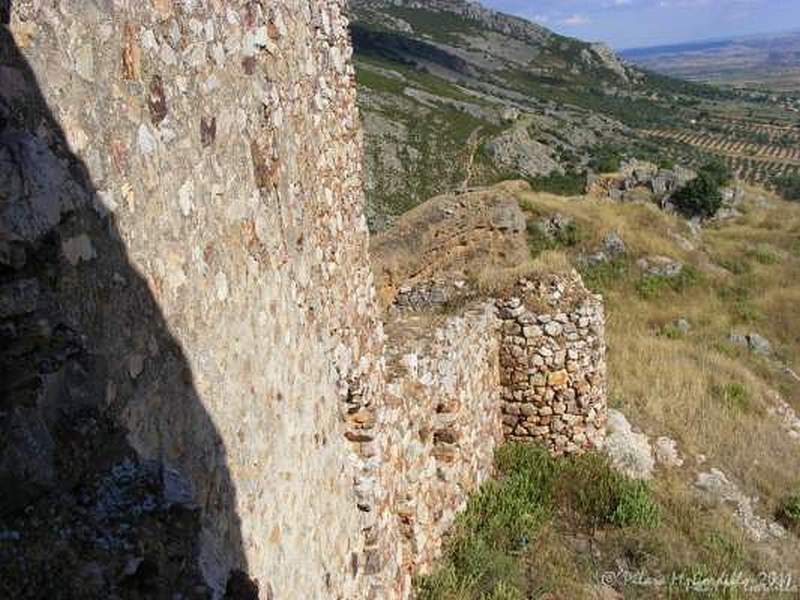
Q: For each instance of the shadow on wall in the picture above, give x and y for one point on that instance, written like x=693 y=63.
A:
x=83 y=347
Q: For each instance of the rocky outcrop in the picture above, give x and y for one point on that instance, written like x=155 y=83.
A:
x=608 y=59
x=636 y=178
x=517 y=152
x=432 y=249
x=716 y=487
x=629 y=451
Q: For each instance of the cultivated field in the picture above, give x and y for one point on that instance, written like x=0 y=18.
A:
x=757 y=149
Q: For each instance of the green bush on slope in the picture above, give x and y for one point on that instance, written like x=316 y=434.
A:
x=700 y=197
x=503 y=517
x=790 y=512
x=788 y=186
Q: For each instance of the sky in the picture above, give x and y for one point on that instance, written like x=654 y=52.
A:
x=635 y=23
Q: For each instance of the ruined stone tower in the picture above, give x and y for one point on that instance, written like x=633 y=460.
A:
x=195 y=397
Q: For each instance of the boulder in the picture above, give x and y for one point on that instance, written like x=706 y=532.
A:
x=666 y=452
x=682 y=325
x=508 y=216
x=757 y=344
x=661 y=266
x=630 y=452
x=509 y=114
x=613 y=245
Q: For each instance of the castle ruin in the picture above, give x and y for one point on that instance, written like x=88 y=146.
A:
x=199 y=399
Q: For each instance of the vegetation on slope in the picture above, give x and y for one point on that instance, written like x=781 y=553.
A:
x=504 y=518
x=702 y=197
x=788 y=186
x=695 y=386
x=472 y=67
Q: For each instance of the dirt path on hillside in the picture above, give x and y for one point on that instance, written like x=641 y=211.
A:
x=473 y=143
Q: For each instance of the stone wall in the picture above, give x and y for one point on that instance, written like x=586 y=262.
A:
x=186 y=302
x=441 y=422
x=552 y=361
x=192 y=368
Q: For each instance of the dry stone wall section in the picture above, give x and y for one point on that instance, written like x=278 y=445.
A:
x=552 y=361
x=441 y=423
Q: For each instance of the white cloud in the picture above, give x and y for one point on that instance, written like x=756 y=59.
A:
x=575 y=21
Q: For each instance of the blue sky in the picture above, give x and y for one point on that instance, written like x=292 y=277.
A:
x=631 y=23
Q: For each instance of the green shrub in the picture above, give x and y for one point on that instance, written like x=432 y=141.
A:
x=505 y=514
x=635 y=506
x=733 y=395
x=650 y=287
x=500 y=519
x=570 y=183
x=605 y=159
x=790 y=512
x=700 y=197
x=600 y=276
x=717 y=171
x=474 y=571
x=666 y=163
x=788 y=186
x=598 y=495
x=672 y=332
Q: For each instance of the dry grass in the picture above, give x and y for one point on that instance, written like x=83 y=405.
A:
x=493 y=281
x=670 y=385
x=642 y=226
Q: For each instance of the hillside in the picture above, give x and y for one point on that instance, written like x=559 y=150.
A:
x=453 y=95
x=704 y=396
x=696 y=494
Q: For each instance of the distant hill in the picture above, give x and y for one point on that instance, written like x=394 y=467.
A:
x=766 y=61
x=453 y=95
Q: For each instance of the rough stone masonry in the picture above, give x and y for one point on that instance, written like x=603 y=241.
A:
x=552 y=361
x=186 y=304
x=195 y=401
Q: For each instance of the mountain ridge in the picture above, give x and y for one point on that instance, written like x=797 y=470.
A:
x=454 y=95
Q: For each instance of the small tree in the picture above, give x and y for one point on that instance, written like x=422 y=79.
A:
x=718 y=171
x=788 y=186
x=700 y=197
x=606 y=159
